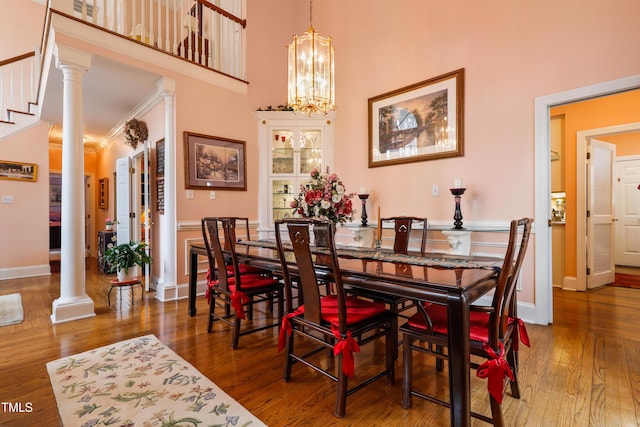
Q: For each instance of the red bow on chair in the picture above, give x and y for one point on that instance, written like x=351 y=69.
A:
x=237 y=299
x=346 y=346
x=495 y=369
x=521 y=330
x=285 y=329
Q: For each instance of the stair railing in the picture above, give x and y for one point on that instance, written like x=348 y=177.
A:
x=18 y=84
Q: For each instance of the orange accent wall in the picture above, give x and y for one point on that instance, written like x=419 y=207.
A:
x=592 y=114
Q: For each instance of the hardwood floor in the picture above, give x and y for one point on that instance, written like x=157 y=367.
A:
x=584 y=370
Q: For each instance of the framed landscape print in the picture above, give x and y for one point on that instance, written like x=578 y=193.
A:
x=423 y=121
x=18 y=171
x=214 y=163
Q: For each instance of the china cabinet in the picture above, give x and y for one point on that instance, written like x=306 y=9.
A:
x=291 y=145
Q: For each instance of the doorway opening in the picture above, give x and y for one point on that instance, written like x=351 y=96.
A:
x=543 y=310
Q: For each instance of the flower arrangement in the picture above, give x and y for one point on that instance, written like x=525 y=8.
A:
x=109 y=221
x=324 y=197
x=135 y=131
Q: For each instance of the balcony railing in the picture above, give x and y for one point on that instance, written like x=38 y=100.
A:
x=200 y=31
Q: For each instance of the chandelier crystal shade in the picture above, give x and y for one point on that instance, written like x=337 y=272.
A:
x=311 y=73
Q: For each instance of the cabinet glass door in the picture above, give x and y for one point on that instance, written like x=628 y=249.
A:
x=311 y=154
x=282 y=193
x=282 y=151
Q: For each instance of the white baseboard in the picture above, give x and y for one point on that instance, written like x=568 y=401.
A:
x=28 y=271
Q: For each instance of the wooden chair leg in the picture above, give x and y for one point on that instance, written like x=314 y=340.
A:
x=235 y=336
x=288 y=361
x=512 y=360
x=496 y=412
x=341 y=390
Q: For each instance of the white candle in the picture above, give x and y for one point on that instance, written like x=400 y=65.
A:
x=363 y=190
x=457 y=183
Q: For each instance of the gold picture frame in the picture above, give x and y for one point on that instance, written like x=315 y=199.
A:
x=423 y=121
x=18 y=171
x=103 y=193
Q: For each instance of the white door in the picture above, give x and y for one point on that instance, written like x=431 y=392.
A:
x=600 y=262
x=123 y=204
x=627 y=226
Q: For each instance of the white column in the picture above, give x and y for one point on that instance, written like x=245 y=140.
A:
x=167 y=282
x=73 y=303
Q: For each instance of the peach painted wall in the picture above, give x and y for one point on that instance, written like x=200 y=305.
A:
x=22 y=27
x=24 y=224
x=593 y=114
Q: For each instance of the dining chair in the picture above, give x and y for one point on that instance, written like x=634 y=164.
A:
x=336 y=322
x=494 y=332
x=235 y=291
x=402 y=226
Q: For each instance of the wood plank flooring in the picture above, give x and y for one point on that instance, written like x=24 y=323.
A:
x=584 y=370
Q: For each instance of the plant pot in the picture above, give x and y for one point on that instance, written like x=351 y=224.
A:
x=123 y=276
x=108 y=227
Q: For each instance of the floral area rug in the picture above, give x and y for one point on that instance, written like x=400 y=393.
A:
x=11 y=311
x=140 y=382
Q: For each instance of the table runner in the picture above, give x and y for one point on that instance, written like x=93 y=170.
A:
x=387 y=255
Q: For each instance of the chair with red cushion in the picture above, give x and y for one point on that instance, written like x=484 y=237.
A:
x=337 y=322
x=235 y=291
x=402 y=227
x=494 y=332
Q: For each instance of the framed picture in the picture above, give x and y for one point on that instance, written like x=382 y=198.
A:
x=18 y=171
x=214 y=163
x=103 y=193
x=423 y=121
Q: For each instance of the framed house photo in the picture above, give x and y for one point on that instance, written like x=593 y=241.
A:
x=423 y=121
x=214 y=163
x=18 y=171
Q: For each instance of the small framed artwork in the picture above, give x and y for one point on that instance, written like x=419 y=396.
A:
x=160 y=158
x=103 y=193
x=18 y=171
x=423 y=121
x=214 y=163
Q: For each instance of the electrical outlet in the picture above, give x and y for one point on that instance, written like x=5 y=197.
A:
x=212 y=195
x=435 y=190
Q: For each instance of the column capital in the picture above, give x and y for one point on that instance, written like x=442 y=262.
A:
x=70 y=56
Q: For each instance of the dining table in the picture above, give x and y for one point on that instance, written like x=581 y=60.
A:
x=455 y=281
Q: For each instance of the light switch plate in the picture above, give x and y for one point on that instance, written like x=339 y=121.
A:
x=7 y=199
x=212 y=195
x=435 y=190
x=189 y=194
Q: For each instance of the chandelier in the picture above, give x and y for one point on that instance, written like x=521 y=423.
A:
x=311 y=70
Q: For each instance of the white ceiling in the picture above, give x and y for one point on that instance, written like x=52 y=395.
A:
x=111 y=91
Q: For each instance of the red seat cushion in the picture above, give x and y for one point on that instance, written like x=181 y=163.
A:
x=357 y=309
x=478 y=322
x=249 y=281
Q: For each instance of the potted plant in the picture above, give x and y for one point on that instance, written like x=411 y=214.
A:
x=125 y=257
x=109 y=223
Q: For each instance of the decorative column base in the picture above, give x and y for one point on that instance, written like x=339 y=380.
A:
x=459 y=242
x=71 y=308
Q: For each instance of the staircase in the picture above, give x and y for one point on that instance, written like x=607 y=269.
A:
x=19 y=79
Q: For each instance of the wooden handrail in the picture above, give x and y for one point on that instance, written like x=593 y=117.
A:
x=223 y=12
x=17 y=58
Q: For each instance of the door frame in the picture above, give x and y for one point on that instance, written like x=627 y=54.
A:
x=543 y=307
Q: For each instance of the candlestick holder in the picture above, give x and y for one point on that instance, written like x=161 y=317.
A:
x=364 y=217
x=457 y=216
x=378 y=243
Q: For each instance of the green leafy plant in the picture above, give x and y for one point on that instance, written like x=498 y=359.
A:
x=127 y=255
